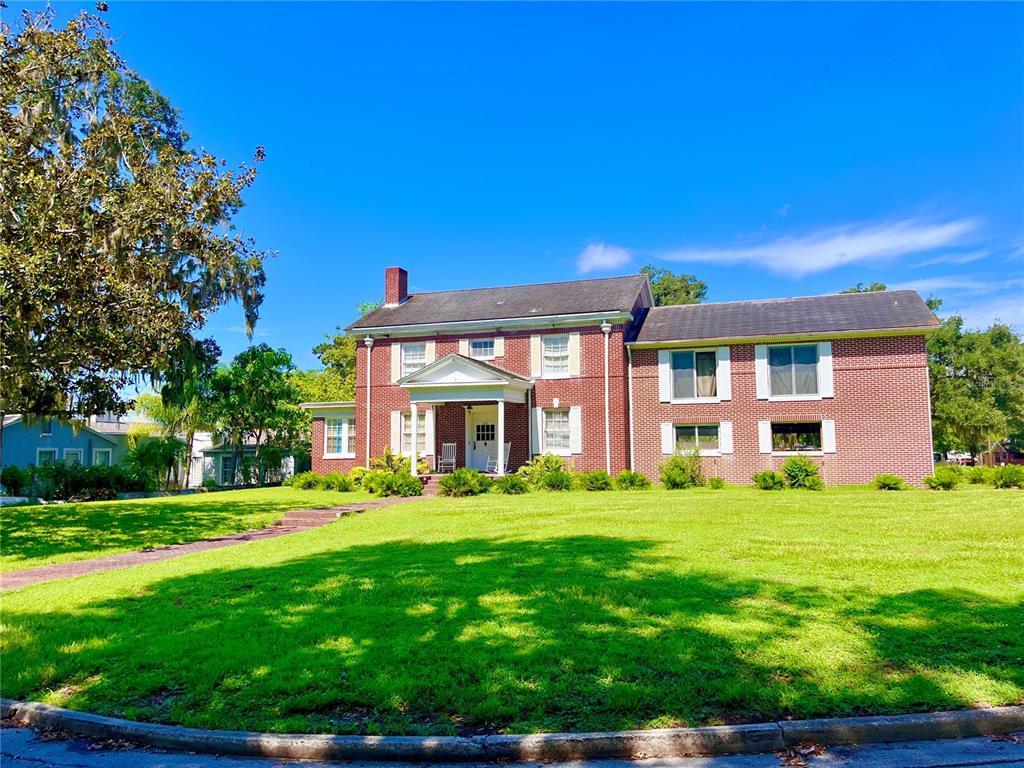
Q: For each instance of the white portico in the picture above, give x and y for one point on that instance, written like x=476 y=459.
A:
x=475 y=385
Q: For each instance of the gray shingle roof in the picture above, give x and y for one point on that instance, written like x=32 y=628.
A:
x=847 y=312
x=608 y=294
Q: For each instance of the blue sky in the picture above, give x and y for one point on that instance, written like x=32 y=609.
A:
x=772 y=149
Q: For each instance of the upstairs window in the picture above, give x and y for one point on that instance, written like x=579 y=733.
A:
x=793 y=370
x=414 y=357
x=555 y=354
x=481 y=349
x=694 y=374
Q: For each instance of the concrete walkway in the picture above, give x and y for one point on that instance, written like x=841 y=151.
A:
x=293 y=521
x=24 y=748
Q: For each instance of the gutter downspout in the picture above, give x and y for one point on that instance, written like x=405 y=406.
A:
x=606 y=328
x=369 y=359
x=629 y=415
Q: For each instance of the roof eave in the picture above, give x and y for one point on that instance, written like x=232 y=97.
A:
x=868 y=333
x=454 y=326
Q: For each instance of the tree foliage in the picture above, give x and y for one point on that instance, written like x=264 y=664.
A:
x=115 y=236
x=866 y=288
x=669 y=288
x=253 y=399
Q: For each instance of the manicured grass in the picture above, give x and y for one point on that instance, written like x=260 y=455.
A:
x=553 y=612
x=57 y=533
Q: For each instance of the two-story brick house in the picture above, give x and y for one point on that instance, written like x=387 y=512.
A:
x=591 y=371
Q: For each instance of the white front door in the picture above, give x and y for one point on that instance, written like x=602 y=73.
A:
x=481 y=436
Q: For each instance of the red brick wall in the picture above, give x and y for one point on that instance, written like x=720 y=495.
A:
x=880 y=410
x=316 y=448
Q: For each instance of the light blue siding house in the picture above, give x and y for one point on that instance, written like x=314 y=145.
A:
x=44 y=441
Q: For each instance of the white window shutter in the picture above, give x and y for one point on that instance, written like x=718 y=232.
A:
x=396 y=361
x=575 y=430
x=430 y=352
x=764 y=436
x=825 y=386
x=761 y=371
x=828 y=436
x=428 y=431
x=667 y=438
x=537 y=438
x=499 y=346
x=396 y=431
x=724 y=374
x=664 y=375
x=574 y=354
x=464 y=347
x=725 y=437
x=536 y=358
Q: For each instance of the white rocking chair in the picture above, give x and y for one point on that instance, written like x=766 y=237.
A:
x=447 y=461
x=492 y=461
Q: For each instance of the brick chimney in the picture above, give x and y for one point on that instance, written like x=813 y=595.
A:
x=396 y=286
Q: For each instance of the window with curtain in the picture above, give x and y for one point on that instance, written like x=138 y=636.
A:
x=414 y=357
x=693 y=437
x=694 y=374
x=556 y=429
x=796 y=436
x=101 y=457
x=482 y=349
x=334 y=435
x=793 y=370
x=555 y=351
x=421 y=437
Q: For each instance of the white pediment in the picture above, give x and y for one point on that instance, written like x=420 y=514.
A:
x=455 y=370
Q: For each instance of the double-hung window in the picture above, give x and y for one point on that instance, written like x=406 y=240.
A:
x=696 y=437
x=414 y=357
x=340 y=436
x=793 y=370
x=101 y=457
x=555 y=355
x=421 y=434
x=481 y=349
x=694 y=375
x=73 y=455
x=556 y=430
x=45 y=456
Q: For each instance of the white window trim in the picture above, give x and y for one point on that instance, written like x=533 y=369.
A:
x=108 y=451
x=716 y=452
x=54 y=451
x=795 y=398
x=798 y=453
x=567 y=451
x=686 y=400
x=821 y=432
x=492 y=356
x=79 y=451
x=48 y=426
x=568 y=359
x=426 y=352
x=344 y=439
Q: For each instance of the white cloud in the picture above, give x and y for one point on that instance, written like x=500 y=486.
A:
x=956 y=258
x=959 y=284
x=1007 y=309
x=784 y=210
x=831 y=248
x=601 y=257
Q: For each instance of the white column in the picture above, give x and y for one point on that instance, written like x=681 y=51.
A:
x=501 y=437
x=369 y=401
x=415 y=430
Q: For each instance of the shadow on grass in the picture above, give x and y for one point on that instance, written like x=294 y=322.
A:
x=32 y=534
x=574 y=633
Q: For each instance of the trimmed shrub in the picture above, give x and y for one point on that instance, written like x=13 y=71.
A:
x=716 y=483
x=536 y=469
x=209 y=484
x=801 y=472
x=769 y=480
x=511 y=485
x=1008 y=476
x=944 y=479
x=628 y=480
x=307 y=481
x=15 y=479
x=558 y=480
x=385 y=482
x=464 y=482
x=336 y=481
x=356 y=475
x=597 y=480
x=889 y=482
x=978 y=475
x=682 y=471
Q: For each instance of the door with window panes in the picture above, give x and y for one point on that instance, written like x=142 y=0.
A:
x=481 y=436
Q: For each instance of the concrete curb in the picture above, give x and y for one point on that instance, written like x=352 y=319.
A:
x=665 y=742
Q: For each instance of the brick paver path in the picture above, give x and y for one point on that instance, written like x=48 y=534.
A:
x=15 y=579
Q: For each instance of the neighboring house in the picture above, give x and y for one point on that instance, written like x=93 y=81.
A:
x=219 y=462
x=591 y=371
x=35 y=442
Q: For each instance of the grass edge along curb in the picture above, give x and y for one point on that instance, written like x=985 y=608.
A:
x=666 y=742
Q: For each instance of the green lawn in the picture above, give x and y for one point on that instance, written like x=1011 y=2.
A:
x=553 y=612
x=58 y=533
